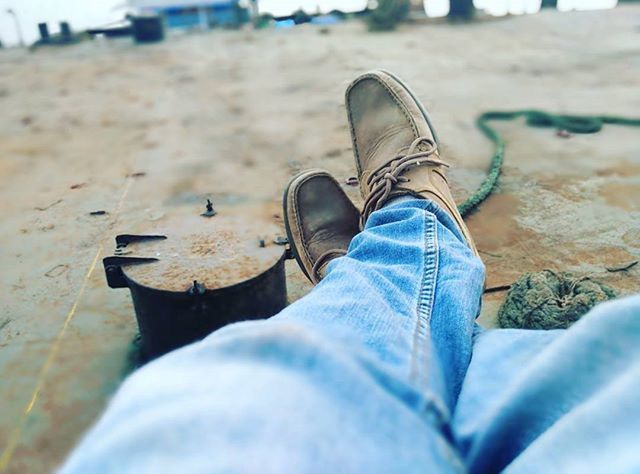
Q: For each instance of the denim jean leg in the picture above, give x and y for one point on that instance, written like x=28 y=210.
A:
x=407 y=294
x=361 y=375
x=555 y=401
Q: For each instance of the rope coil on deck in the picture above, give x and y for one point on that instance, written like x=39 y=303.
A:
x=550 y=300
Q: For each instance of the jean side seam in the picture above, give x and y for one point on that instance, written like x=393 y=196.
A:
x=420 y=352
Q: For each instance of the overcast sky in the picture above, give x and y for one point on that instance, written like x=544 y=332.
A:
x=84 y=13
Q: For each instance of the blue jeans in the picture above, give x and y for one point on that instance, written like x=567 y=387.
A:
x=381 y=368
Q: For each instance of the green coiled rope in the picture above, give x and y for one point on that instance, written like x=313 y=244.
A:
x=534 y=118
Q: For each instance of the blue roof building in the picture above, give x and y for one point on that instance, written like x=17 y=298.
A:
x=194 y=13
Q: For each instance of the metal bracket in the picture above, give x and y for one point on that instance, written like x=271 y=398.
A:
x=126 y=239
x=113 y=269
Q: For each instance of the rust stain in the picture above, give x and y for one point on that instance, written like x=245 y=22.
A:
x=623 y=169
x=623 y=195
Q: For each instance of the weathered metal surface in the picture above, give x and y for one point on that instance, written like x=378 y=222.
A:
x=191 y=276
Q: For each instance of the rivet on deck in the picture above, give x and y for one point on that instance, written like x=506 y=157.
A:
x=210 y=212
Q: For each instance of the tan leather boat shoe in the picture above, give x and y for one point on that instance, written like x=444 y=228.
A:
x=395 y=146
x=320 y=220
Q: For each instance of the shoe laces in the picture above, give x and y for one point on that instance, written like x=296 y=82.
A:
x=386 y=176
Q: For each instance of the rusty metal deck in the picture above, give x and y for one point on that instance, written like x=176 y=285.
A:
x=141 y=132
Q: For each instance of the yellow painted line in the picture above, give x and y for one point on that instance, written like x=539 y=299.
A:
x=53 y=351
x=7 y=454
x=127 y=187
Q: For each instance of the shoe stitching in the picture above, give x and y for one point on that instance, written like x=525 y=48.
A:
x=424 y=305
x=393 y=96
